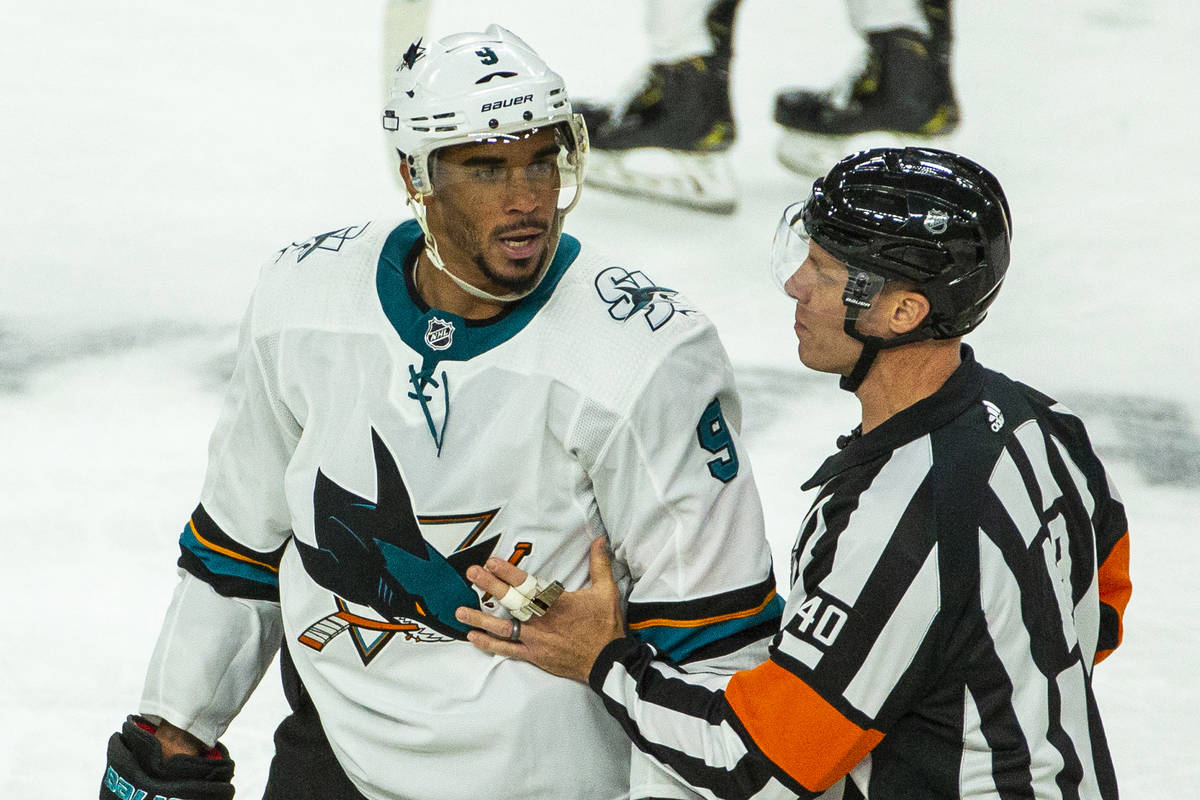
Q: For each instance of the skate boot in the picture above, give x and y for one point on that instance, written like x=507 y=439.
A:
x=669 y=142
x=937 y=15
x=903 y=95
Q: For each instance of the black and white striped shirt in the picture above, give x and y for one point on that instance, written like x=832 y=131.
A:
x=962 y=569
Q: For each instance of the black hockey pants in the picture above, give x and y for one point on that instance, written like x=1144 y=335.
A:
x=304 y=767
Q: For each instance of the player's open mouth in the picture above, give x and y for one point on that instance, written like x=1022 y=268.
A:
x=523 y=244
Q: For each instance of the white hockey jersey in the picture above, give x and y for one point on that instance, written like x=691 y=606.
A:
x=371 y=448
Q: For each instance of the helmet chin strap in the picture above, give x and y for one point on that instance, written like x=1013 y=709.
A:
x=861 y=290
x=435 y=257
x=871 y=347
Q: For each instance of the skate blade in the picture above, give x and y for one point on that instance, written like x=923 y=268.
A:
x=702 y=181
x=812 y=155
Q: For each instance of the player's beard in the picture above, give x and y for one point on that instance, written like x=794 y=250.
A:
x=468 y=240
x=533 y=266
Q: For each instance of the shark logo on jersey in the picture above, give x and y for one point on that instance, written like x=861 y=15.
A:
x=330 y=241
x=630 y=293
x=995 y=416
x=440 y=334
x=374 y=555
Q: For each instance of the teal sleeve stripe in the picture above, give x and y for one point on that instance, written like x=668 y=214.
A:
x=678 y=643
x=219 y=564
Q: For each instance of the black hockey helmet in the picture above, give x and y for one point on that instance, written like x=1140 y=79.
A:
x=928 y=217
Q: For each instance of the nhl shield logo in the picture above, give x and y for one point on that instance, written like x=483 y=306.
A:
x=937 y=221
x=440 y=334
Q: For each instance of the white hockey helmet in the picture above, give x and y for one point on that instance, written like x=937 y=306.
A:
x=476 y=87
x=479 y=88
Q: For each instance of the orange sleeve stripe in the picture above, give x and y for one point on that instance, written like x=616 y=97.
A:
x=1115 y=587
x=216 y=548
x=699 y=623
x=797 y=728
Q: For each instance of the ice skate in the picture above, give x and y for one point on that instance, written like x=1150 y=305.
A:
x=670 y=141
x=903 y=95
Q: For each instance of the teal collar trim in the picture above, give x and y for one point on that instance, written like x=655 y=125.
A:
x=439 y=335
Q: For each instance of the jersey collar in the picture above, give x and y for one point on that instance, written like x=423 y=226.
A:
x=439 y=335
x=961 y=390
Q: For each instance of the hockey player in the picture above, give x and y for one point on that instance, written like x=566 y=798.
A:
x=965 y=562
x=671 y=140
x=412 y=397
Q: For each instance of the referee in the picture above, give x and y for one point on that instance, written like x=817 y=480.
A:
x=963 y=568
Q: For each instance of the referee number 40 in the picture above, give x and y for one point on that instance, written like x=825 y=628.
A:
x=818 y=621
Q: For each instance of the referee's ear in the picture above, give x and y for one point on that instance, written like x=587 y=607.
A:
x=906 y=309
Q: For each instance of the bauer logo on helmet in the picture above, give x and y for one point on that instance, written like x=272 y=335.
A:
x=512 y=101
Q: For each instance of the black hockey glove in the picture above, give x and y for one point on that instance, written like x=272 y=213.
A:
x=136 y=770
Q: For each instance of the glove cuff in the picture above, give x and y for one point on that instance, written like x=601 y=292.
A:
x=138 y=736
x=215 y=753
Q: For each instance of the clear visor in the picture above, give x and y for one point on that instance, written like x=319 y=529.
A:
x=537 y=161
x=790 y=246
x=790 y=250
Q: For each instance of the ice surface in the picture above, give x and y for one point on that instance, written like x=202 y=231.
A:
x=156 y=152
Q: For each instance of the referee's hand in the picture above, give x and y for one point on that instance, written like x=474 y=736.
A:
x=571 y=634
